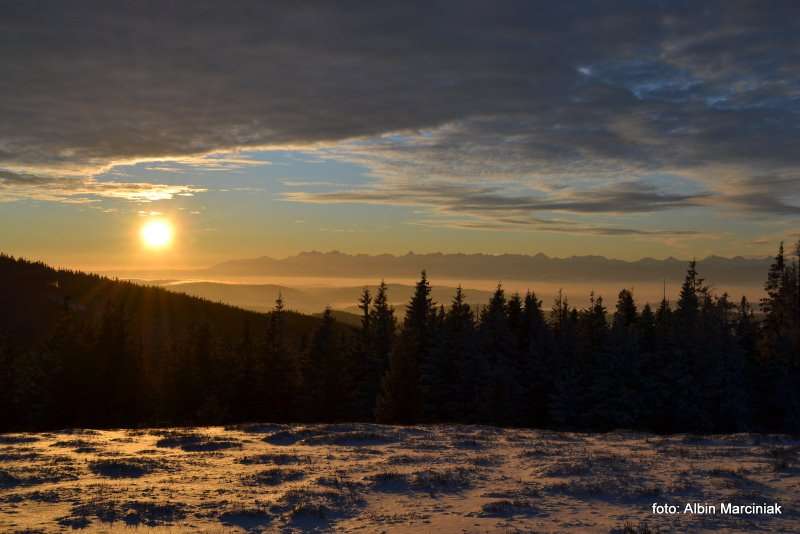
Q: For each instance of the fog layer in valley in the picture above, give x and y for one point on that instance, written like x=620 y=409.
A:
x=310 y=281
x=312 y=295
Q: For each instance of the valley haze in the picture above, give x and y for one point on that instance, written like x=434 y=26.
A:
x=310 y=281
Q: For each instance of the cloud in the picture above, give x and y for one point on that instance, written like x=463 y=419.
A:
x=583 y=95
x=310 y=183
x=213 y=162
x=490 y=208
x=776 y=194
x=70 y=190
x=629 y=197
x=564 y=227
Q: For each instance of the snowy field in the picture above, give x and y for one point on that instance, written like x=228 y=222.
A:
x=372 y=478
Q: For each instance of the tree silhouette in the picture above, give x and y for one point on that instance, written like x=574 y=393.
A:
x=401 y=399
x=94 y=352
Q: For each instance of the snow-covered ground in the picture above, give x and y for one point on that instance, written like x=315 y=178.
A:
x=372 y=478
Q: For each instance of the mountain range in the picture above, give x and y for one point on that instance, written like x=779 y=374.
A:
x=538 y=267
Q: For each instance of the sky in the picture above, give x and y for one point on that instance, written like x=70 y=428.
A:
x=629 y=130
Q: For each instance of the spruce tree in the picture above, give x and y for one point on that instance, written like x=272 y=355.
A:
x=361 y=360
x=693 y=291
x=364 y=302
x=461 y=368
x=379 y=340
x=664 y=324
x=326 y=376
x=592 y=330
x=567 y=398
x=501 y=398
x=538 y=349
x=400 y=400
x=780 y=345
x=119 y=366
x=684 y=363
x=773 y=304
x=244 y=382
x=192 y=371
x=647 y=329
x=625 y=314
x=728 y=396
x=279 y=372
x=384 y=327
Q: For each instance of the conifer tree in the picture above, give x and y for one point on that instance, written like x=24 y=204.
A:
x=326 y=377
x=772 y=305
x=460 y=368
x=192 y=371
x=684 y=360
x=647 y=329
x=442 y=376
x=516 y=320
x=693 y=291
x=625 y=314
x=118 y=365
x=361 y=359
x=401 y=398
x=36 y=375
x=535 y=330
x=501 y=396
x=364 y=306
x=384 y=327
x=279 y=368
x=567 y=398
x=592 y=327
x=247 y=373
x=378 y=337
x=559 y=315
x=727 y=387
x=538 y=349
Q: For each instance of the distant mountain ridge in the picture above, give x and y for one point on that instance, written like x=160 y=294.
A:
x=736 y=270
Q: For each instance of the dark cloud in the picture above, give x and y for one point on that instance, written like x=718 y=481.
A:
x=492 y=208
x=768 y=194
x=553 y=93
x=12 y=178
x=90 y=81
x=629 y=197
x=575 y=229
x=623 y=198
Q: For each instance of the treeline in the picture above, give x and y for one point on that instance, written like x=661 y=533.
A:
x=700 y=364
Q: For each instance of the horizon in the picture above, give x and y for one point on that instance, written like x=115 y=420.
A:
x=122 y=268
x=304 y=288
x=311 y=294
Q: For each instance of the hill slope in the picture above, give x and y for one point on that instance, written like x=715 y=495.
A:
x=78 y=349
x=38 y=296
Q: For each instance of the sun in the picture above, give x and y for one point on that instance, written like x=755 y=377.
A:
x=157 y=234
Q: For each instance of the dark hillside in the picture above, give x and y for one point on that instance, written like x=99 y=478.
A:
x=81 y=349
x=35 y=297
x=78 y=350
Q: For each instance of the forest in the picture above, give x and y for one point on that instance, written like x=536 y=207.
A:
x=80 y=350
